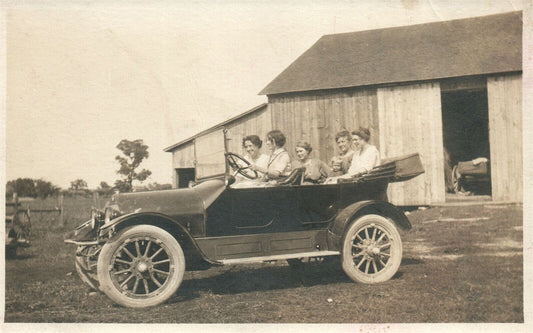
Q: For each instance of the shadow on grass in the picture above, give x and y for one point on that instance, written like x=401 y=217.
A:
x=20 y=257
x=259 y=279
x=411 y=261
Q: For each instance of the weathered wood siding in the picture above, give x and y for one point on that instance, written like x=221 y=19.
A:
x=505 y=135
x=183 y=157
x=410 y=121
x=258 y=123
x=317 y=118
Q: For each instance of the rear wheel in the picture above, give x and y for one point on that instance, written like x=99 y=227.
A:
x=141 y=266
x=456 y=179
x=372 y=249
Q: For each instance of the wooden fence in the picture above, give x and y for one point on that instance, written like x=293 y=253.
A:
x=14 y=206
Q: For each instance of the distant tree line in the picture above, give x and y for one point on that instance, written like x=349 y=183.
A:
x=40 y=188
x=133 y=153
x=27 y=187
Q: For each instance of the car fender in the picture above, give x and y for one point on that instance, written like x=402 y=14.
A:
x=350 y=213
x=176 y=229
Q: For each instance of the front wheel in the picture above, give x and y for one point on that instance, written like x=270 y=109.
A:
x=141 y=266
x=86 y=262
x=372 y=249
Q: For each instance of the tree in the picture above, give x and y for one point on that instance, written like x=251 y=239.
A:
x=104 y=185
x=24 y=187
x=134 y=153
x=27 y=187
x=44 y=188
x=78 y=184
x=104 y=188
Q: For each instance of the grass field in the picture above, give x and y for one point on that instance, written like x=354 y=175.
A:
x=459 y=265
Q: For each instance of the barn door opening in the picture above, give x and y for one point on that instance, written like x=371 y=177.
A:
x=465 y=125
x=184 y=177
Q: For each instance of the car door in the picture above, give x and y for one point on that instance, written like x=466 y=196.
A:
x=316 y=204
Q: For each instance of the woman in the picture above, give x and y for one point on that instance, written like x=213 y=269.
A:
x=316 y=171
x=252 y=145
x=343 y=139
x=278 y=164
x=365 y=158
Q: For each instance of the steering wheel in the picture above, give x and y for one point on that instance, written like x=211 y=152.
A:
x=236 y=163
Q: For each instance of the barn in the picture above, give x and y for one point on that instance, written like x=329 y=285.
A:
x=451 y=87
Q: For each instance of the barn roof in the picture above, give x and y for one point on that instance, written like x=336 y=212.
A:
x=215 y=127
x=473 y=46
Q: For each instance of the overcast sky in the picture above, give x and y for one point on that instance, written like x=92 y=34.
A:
x=81 y=77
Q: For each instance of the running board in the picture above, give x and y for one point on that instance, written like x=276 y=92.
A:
x=278 y=257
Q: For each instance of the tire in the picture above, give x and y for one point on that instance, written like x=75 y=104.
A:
x=372 y=249
x=86 y=262
x=456 y=180
x=141 y=266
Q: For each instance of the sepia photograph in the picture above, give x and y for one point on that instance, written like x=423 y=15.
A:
x=241 y=165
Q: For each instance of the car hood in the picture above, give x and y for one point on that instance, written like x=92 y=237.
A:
x=193 y=200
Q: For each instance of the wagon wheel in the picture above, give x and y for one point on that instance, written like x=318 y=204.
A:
x=456 y=179
x=372 y=249
x=22 y=227
x=236 y=163
x=86 y=262
x=141 y=266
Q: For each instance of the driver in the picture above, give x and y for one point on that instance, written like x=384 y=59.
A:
x=252 y=145
x=279 y=161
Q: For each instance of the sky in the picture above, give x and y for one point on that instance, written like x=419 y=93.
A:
x=82 y=75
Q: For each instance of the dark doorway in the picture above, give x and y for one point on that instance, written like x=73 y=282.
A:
x=184 y=176
x=465 y=124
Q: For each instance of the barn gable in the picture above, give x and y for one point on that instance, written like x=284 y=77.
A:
x=475 y=46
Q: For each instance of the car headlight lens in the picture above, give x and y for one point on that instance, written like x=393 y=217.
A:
x=110 y=213
x=96 y=217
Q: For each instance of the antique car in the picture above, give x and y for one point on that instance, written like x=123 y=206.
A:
x=471 y=176
x=137 y=249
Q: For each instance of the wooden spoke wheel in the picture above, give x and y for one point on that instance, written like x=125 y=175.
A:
x=86 y=263
x=141 y=266
x=372 y=249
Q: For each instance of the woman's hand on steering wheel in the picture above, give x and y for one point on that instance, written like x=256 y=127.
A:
x=233 y=161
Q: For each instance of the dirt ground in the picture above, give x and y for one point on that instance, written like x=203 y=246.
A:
x=460 y=265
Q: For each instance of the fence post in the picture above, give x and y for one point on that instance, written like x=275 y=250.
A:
x=15 y=203
x=95 y=199
x=61 y=220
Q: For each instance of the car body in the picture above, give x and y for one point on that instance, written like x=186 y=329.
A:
x=471 y=176
x=137 y=249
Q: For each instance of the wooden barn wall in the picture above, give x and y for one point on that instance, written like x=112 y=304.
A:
x=410 y=121
x=183 y=157
x=258 y=123
x=505 y=136
x=317 y=118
